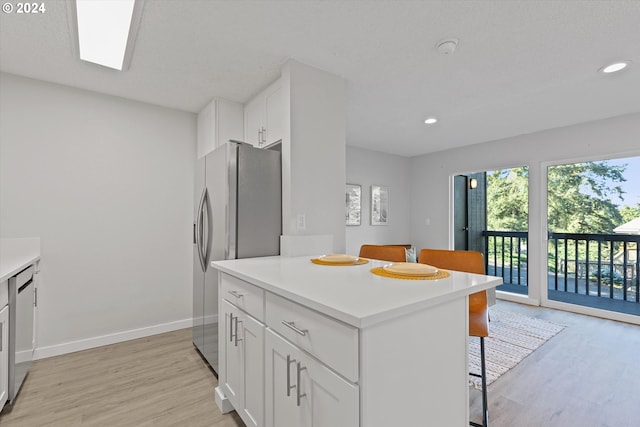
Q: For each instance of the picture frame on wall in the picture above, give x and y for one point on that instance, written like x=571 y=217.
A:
x=353 y=209
x=379 y=205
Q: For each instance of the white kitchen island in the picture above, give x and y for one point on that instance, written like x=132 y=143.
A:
x=304 y=344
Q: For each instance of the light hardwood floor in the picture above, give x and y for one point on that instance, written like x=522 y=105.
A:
x=588 y=375
x=159 y=381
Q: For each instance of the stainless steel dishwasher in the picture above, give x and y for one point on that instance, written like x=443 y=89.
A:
x=21 y=344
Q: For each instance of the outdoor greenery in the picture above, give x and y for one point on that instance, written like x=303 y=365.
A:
x=630 y=213
x=507 y=197
x=580 y=199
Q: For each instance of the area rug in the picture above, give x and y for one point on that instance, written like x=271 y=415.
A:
x=512 y=337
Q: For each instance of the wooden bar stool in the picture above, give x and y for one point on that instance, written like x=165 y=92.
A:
x=470 y=262
x=393 y=253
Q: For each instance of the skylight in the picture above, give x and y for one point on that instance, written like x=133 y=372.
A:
x=103 y=30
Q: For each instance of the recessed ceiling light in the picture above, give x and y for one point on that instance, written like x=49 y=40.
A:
x=431 y=120
x=616 y=66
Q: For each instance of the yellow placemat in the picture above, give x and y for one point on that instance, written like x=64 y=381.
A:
x=359 y=261
x=380 y=271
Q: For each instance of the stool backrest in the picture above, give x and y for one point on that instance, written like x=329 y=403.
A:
x=470 y=262
x=393 y=253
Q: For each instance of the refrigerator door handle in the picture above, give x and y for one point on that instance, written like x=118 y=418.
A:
x=206 y=236
x=199 y=230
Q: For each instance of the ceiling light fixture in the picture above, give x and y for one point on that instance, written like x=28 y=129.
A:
x=106 y=30
x=616 y=66
x=431 y=120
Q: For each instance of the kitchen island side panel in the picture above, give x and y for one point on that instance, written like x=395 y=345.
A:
x=413 y=369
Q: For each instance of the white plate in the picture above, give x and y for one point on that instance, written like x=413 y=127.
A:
x=411 y=269
x=338 y=258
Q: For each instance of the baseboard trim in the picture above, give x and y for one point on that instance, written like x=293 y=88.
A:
x=85 y=344
x=222 y=401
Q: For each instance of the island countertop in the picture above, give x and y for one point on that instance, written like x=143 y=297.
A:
x=17 y=254
x=352 y=294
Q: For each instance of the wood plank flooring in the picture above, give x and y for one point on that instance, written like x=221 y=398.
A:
x=159 y=381
x=588 y=375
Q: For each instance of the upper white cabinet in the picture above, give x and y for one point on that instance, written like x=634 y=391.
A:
x=218 y=122
x=264 y=116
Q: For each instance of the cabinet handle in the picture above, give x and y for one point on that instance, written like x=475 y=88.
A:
x=259 y=137
x=230 y=327
x=236 y=294
x=289 y=386
x=298 y=388
x=264 y=135
x=1 y=335
x=236 y=339
x=292 y=325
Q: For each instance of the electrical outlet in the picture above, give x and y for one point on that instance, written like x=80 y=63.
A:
x=301 y=222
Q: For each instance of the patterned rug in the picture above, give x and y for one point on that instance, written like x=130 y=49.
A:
x=512 y=337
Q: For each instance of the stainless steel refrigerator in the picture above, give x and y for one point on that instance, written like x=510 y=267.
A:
x=238 y=214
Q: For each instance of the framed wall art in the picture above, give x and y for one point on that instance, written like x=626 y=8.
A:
x=354 y=204
x=379 y=205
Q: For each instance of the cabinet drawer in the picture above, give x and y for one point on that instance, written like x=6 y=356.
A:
x=331 y=341
x=243 y=295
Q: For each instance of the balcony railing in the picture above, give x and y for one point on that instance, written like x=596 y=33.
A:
x=506 y=257
x=580 y=265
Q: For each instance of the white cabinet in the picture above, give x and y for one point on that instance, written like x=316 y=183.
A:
x=303 y=392
x=4 y=345
x=299 y=369
x=242 y=351
x=330 y=341
x=218 y=122
x=264 y=117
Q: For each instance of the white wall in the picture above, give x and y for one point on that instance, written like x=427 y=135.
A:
x=313 y=152
x=107 y=184
x=610 y=138
x=366 y=168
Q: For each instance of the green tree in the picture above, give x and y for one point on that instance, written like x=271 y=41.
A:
x=507 y=196
x=579 y=197
x=629 y=213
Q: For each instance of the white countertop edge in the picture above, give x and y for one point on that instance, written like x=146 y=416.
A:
x=352 y=320
x=16 y=265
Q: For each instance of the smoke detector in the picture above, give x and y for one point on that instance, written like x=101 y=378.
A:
x=447 y=46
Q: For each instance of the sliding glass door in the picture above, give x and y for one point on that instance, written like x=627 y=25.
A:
x=593 y=223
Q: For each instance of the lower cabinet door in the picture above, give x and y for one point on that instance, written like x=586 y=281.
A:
x=232 y=378
x=4 y=355
x=302 y=392
x=243 y=380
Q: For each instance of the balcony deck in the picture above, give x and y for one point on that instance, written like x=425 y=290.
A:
x=593 y=270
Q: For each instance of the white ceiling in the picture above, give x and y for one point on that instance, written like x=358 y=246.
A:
x=520 y=66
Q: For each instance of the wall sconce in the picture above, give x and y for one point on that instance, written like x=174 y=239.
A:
x=473 y=184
